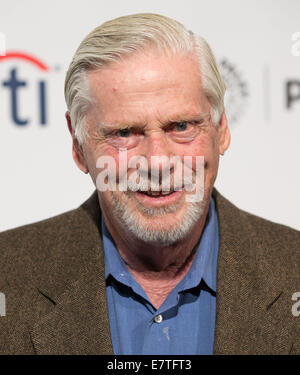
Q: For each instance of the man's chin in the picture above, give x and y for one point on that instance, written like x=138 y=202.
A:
x=165 y=225
x=159 y=223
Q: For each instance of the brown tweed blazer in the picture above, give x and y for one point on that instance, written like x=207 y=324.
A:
x=52 y=275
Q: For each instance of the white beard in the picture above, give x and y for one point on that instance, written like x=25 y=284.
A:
x=166 y=237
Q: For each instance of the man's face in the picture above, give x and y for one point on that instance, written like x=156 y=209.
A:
x=152 y=104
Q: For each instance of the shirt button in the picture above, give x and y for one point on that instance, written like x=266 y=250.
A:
x=158 y=318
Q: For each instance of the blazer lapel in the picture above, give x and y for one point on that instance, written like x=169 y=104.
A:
x=74 y=312
x=252 y=308
x=78 y=322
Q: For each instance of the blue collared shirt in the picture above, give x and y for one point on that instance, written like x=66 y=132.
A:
x=184 y=323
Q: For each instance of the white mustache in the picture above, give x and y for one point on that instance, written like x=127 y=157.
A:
x=139 y=182
x=187 y=176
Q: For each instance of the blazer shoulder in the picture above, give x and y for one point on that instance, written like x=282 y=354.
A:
x=272 y=231
x=54 y=245
x=28 y=236
x=271 y=242
x=253 y=223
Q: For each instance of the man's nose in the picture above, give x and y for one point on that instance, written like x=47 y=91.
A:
x=157 y=151
x=157 y=145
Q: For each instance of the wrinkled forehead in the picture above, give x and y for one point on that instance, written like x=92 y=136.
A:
x=145 y=66
x=149 y=78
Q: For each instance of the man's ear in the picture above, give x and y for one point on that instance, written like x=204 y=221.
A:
x=223 y=134
x=77 y=151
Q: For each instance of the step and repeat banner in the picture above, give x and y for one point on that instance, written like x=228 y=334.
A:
x=257 y=46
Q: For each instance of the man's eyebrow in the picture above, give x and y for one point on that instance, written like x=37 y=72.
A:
x=188 y=117
x=121 y=125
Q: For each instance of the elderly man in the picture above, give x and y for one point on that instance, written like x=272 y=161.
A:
x=144 y=268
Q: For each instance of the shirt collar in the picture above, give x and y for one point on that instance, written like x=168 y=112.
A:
x=204 y=265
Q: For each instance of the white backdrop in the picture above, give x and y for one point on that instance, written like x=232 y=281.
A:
x=252 y=40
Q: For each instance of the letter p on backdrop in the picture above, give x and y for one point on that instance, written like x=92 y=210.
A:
x=2 y=304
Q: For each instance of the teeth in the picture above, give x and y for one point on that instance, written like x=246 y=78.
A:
x=153 y=193
x=157 y=193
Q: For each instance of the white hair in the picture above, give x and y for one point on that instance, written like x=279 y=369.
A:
x=126 y=35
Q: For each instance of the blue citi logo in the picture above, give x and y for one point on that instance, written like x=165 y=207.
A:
x=14 y=83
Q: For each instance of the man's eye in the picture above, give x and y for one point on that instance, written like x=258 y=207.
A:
x=124 y=133
x=181 y=126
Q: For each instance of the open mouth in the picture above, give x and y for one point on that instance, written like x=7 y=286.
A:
x=160 y=197
x=156 y=194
